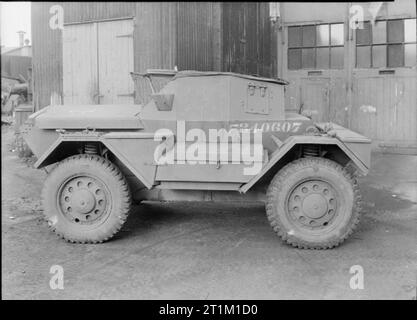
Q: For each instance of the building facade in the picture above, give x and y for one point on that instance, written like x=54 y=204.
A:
x=350 y=63
x=88 y=58
x=360 y=75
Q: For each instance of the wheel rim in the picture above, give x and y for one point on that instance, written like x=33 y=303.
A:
x=312 y=204
x=83 y=199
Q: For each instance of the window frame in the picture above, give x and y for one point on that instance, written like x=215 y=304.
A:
x=386 y=44
x=329 y=46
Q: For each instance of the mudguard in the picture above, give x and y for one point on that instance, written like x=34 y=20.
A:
x=356 y=147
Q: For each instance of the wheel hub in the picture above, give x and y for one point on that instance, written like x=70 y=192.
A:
x=83 y=199
x=312 y=204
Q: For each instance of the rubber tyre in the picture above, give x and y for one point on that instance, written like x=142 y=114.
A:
x=299 y=171
x=116 y=187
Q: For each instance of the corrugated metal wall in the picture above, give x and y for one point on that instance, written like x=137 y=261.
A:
x=155 y=33
x=249 y=40
x=46 y=56
x=198 y=36
x=13 y=66
x=90 y=11
x=166 y=34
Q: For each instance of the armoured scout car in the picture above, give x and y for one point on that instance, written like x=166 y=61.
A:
x=101 y=158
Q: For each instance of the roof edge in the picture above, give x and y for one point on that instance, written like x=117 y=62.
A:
x=192 y=73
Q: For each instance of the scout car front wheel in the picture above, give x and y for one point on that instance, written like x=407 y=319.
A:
x=86 y=199
x=313 y=203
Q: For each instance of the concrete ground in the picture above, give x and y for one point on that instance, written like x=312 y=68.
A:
x=210 y=251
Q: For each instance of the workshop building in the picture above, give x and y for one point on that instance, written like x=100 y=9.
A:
x=349 y=63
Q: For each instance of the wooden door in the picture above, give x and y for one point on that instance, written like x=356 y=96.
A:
x=80 y=63
x=115 y=62
x=315 y=97
x=384 y=108
x=97 y=61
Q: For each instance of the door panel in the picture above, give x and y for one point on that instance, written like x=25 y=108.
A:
x=97 y=61
x=80 y=63
x=292 y=95
x=315 y=97
x=338 y=105
x=384 y=108
x=115 y=61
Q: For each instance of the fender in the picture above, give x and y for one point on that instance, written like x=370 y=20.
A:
x=124 y=145
x=354 y=152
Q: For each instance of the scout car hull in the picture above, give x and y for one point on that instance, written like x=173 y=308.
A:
x=108 y=155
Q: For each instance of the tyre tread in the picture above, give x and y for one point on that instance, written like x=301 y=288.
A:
x=124 y=193
x=279 y=180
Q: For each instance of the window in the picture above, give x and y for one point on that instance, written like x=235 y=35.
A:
x=387 y=43
x=316 y=46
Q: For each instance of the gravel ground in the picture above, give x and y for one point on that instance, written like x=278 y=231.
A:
x=210 y=251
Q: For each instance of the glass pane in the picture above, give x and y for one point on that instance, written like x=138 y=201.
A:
x=294 y=59
x=308 y=58
x=363 y=57
x=395 y=55
x=363 y=36
x=379 y=32
x=323 y=35
x=336 y=34
x=410 y=30
x=410 y=55
x=336 y=58
x=323 y=55
x=395 y=30
x=379 y=56
x=309 y=36
x=294 y=37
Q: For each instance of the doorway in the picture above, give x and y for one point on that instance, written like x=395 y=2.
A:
x=97 y=61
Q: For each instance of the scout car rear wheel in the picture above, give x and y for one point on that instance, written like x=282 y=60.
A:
x=86 y=199
x=313 y=203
